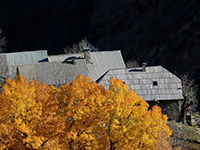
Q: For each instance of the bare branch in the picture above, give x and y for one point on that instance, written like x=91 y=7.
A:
x=79 y=47
x=190 y=101
x=132 y=64
x=190 y=90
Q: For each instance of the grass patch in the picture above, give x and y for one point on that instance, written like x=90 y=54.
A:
x=185 y=136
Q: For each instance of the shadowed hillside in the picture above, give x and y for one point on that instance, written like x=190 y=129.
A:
x=160 y=32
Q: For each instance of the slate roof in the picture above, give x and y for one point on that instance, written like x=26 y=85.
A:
x=10 y=61
x=62 y=57
x=156 y=83
x=57 y=68
x=60 y=70
x=102 y=61
x=53 y=73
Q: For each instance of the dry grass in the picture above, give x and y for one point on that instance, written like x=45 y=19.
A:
x=185 y=136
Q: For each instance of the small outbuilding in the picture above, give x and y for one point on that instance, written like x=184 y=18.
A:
x=10 y=61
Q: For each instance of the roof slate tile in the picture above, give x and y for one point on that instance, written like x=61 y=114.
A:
x=142 y=82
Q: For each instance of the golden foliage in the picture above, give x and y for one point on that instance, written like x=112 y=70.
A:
x=28 y=115
x=113 y=119
x=81 y=115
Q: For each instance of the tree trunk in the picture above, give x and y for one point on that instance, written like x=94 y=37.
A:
x=112 y=147
x=184 y=108
x=182 y=117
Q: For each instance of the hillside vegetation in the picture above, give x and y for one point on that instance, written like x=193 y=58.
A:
x=188 y=137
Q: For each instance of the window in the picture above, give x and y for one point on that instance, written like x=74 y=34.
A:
x=155 y=83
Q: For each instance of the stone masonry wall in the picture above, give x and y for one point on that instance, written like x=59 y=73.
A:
x=169 y=107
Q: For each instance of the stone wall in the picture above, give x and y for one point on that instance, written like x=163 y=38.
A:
x=169 y=107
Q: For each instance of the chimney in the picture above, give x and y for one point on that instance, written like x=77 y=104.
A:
x=73 y=61
x=144 y=66
x=87 y=56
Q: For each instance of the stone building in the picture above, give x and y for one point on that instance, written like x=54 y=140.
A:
x=155 y=84
x=59 y=69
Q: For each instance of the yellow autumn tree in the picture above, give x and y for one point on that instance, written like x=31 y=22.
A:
x=81 y=115
x=28 y=116
x=107 y=120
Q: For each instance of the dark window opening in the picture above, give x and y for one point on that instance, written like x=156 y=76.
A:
x=155 y=83
x=135 y=70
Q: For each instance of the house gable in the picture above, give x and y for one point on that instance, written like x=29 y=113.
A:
x=155 y=83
